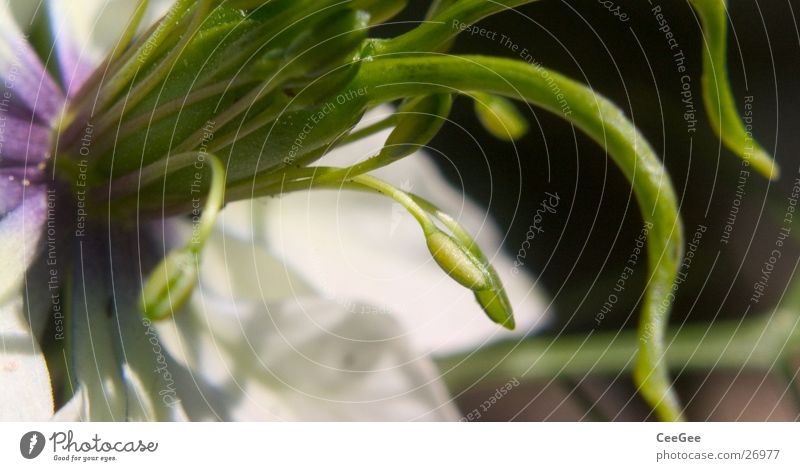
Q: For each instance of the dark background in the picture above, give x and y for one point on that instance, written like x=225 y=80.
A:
x=585 y=245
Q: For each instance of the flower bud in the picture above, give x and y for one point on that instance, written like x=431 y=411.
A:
x=496 y=305
x=499 y=116
x=170 y=284
x=457 y=261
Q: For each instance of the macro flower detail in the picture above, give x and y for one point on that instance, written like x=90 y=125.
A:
x=83 y=299
x=128 y=291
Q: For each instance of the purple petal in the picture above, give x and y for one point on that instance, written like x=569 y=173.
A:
x=74 y=70
x=15 y=185
x=11 y=105
x=10 y=194
x=71 y=24
x=22 y=141
x=25 y=79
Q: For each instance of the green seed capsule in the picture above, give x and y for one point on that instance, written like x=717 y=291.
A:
x=418 y=121
x=499 y=116
x=169 y=285
x=457 y=261
x=495 y=303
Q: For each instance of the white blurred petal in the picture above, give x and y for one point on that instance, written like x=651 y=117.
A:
x=24 y=378
x=74 y=410
x=354 y=245
x=95 y=26
x=300 y=358
x=23 y=371
x=85 y=31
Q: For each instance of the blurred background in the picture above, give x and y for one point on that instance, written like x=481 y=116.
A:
x=585 y=244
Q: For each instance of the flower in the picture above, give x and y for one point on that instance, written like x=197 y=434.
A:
x=82 y=230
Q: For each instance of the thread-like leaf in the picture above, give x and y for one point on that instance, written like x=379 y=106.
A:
x=607 y=125
x=717 y=90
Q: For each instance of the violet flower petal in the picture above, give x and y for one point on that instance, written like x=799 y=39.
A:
x=22 y=142
x=68 y=22
x=25 y=79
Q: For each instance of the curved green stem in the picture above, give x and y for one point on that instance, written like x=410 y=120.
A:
x=172 y=281
x=214 y=203
x=439 y=30
x=369 y=130
x=606 y=124
x=717 y=90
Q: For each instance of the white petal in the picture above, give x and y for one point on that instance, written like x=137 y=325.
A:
x=353 y=245
x=297 y=359
x=24 y=377
x=235 y=264
x=95 y=26
x=24 y=12
x=146 y=371
x=304 y=359
x=74 y=410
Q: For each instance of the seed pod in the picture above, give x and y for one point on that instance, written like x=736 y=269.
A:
x=499 y=116
x=418 y=121
x=495 y=302
x=457 y=261
x=169 y=286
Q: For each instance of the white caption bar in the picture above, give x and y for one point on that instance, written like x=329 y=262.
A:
x=403 y=446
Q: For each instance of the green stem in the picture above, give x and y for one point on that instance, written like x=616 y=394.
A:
x=605 y=123
x=361 y=182
x=367 y=131
x=718 y=93
x=436 y=33
x=214 y=202
x=756 y=343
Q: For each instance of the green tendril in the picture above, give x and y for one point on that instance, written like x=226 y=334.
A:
x=171 y=283
x=605 y=123
x=437 y=33
x=717 y=90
